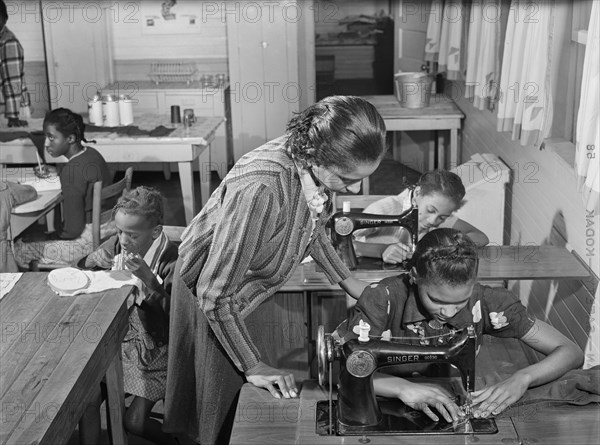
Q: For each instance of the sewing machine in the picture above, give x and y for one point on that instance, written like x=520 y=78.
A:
x=357 y=411
x=346 y=222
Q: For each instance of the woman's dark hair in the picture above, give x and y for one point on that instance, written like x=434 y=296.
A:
x=445 y=256
x=338 y=131
x=3 y=13
x=66 y=122
x=443 y=182
x=144 y=201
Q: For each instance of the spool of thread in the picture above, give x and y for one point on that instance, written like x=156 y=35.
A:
x=110 y=111
x=95 y=111
x=346 y=207
x=125 y=110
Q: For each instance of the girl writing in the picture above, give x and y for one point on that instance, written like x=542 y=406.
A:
x=64 y=131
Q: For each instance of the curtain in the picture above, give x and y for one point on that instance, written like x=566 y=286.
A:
x=525 y=100
x=587 y=139
x=444 y=39
x=483 y=54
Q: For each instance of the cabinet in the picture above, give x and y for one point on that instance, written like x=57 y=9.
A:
x=149 y=97
x=262 y=43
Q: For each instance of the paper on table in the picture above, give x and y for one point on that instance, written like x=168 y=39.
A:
x=7 y=282
x=104 y=280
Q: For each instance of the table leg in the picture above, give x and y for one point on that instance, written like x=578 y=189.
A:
x=205 y=175
x=432 y=152
x=186 y=177
x=166 y=171
x=115 y=401
x=441 y=150
x=454 y=152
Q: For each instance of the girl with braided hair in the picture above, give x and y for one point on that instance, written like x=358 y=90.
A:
x=64 y=131
x=440 y=293
x=266 y=216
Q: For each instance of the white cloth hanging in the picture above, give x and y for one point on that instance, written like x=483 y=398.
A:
x=445 y=28
x=587 y=156
x=483 y=54
x=525 y=102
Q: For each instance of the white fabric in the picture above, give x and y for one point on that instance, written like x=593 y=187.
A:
x=434 y=31
x=525 y=102
x=444 y=37
x=483 y=54
x=588 y=121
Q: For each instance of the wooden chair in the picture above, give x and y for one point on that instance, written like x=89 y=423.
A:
x=100 y=196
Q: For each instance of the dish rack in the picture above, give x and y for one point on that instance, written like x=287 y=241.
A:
x=172 y=72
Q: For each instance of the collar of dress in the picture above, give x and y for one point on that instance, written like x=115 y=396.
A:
x=315 y=195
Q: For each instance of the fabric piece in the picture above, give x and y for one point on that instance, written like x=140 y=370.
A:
x=131 y=130
x=451 y=39
x=525 y=105
x=12 y=74
x=576 y=387
x=588 y=118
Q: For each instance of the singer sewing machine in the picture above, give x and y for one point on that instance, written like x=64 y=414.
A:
x=357 y=411
x=346 y=222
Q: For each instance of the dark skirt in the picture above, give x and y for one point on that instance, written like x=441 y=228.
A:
x=202 y=383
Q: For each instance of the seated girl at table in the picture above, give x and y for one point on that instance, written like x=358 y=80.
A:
x=64 y=131
x=438 y=194
x=142 y=247
x=441 y=293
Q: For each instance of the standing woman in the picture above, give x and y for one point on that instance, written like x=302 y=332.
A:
x=64 y=136
x=267 y=215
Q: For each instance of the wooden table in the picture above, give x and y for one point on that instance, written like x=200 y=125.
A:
x=262 y=419
x=184 y=146
x=26 y=214
x=53 y=351
x=526 y=262
x=441 y=114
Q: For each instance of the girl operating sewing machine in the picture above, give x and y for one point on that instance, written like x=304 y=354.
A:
x=439 y=294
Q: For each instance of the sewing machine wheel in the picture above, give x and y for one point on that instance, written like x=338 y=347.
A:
x=324 y=355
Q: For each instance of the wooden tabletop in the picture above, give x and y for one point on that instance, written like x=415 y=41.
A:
x=202 y=132
x=440 y=107
x=262 y=419
x=53 y=350
x=526 y=262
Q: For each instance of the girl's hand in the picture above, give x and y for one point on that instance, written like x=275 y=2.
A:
x=496 y=398
x=264 y=376
x=422 y=396
x=99 y=258
x=396 y=253
x=138 y=267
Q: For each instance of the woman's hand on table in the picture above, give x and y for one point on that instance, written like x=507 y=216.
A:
x=496 y=398
x=264 y=376
x=396 y=253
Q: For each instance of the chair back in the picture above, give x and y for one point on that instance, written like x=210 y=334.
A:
x=101 y=195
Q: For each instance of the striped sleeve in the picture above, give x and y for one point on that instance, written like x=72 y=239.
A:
x=248 y=219
x=324 y=253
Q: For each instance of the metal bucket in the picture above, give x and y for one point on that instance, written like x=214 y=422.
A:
x=413 y=90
